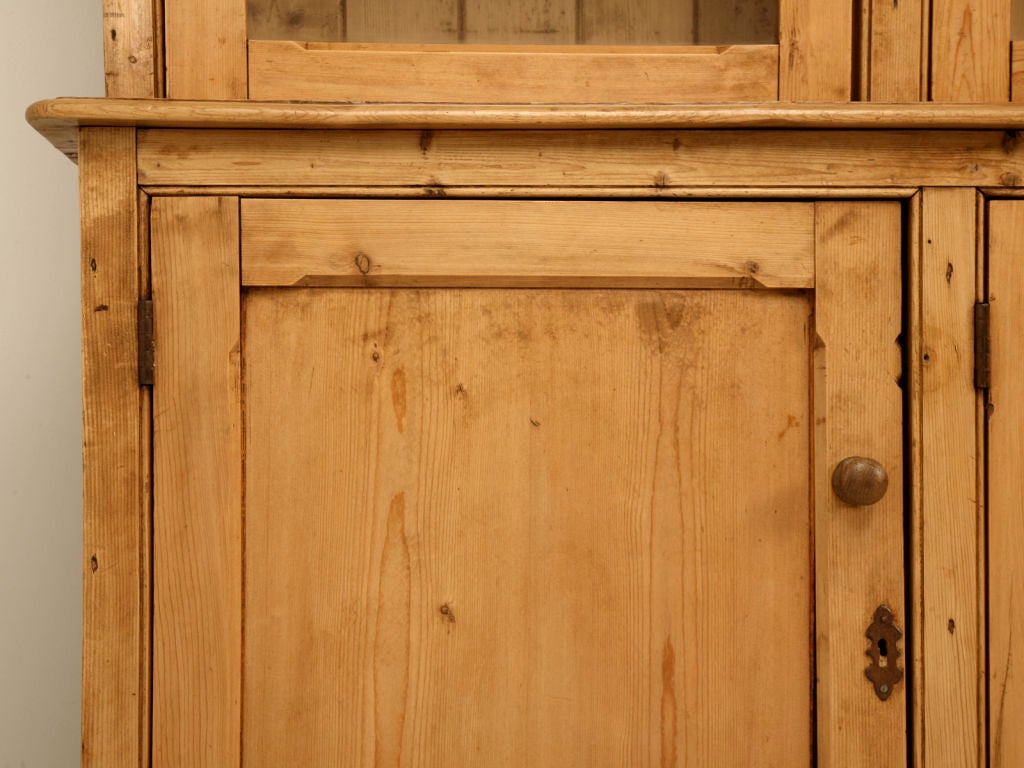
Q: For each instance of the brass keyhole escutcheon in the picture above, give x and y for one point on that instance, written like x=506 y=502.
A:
x=860 y=482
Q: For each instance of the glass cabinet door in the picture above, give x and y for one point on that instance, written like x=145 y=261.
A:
x=517 y=22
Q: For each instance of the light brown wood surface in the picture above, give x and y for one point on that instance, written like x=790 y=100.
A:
x=970 y=51
x=722 y=22
x=643 y=22
x=348 y=72
x=205 y=49
x=946 y=520
x=1017 y=69
x=815 y=50
x=655 y=159
x=522 y=243
x=59 y=119
x=527 y=528
x=295 y=19
x=132 y=55
x=114 y=656
x=893 y=50
x=1006 y=487
x=197 y=459
x=858 y=412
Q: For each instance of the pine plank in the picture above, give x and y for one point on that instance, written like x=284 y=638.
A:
x=1006 y=487
x=114 y=657
x=895 y=41
x=735 y=22
x=970 y=50
x=130 y=49
x=584 y=606
x=858 y=405
x=524 y=22
x=404 y=21
x=653 y=159
x=205 y=49
x=522 y=243
x=636 y=22
x=197 y=443
x=815 y=50
x=322 y=20
x=1017 y=68
x=947 y=517
x=527 y=74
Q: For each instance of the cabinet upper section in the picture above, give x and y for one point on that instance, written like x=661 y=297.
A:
x=563 y=51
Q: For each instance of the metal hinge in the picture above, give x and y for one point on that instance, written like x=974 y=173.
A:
x=145 y=343
x=982 y=346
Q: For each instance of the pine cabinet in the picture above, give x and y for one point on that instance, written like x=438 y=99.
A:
x=524 y=385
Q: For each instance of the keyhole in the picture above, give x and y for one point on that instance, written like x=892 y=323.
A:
x=883 y=653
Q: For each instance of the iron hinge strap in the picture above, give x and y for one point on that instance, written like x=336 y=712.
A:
x=146 y=343
x=982 y=345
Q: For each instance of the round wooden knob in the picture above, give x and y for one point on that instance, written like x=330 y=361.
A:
x=860 y=482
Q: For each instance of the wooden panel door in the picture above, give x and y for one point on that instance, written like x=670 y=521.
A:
x=544 y=508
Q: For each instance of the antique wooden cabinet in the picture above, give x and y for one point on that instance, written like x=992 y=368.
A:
x=523 y=385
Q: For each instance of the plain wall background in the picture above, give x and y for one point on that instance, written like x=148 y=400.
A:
x=47 y=48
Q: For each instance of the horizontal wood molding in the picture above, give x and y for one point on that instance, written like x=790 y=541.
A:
x=654 y=159
x=60 y=119
x=527 y=243
x=542 y=74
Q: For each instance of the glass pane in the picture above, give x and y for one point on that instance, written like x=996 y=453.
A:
x=517 y=22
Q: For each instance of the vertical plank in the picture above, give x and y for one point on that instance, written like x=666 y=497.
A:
x=1006 y=486
x=404 y=21
x=731 y=22
x=303 y=20
x=815 y=50
x=197 y=590
x=650 y=22
x=205 y=49
x=895 y=50
x=114 y=660
x=858 y=405
x=945 y=517
x=970 y=51
x=525 y=22
x=1017 y=69
x=130 y=43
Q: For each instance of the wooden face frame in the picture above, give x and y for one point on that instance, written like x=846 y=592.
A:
x=839 y=50
x=123 y=167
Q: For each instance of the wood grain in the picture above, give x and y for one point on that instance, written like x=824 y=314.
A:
x=736 y=22
x=1017 y=68
x=970 y=50
x=655 y=159
x=197 y=444
x=637 y=22
x=815 y=50
x=130 y=49
x=59 y=119
x=534 y=21
x=1006 y=487
x=947 y=516
x=895 y=50
x=542 y=74
x=512 y=542
x=858 y=406
x=114 y=655
x=521 y=243
x=205 y=45
x=403 y=21
x=322 y=20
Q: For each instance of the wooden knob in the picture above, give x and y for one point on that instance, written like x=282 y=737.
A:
x=860 y=482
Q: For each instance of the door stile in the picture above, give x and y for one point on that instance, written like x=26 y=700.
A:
x=197 y=447
x=858 y=412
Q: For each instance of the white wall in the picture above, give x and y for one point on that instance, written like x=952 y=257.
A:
x=47 y=48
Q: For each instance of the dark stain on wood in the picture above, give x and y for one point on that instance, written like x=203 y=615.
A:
x=398 y=397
